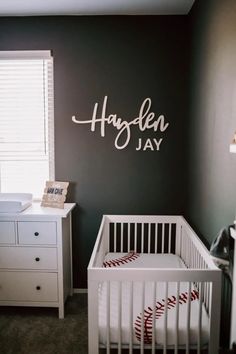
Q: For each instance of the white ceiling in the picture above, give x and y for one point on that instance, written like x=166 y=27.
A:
x=94 y=7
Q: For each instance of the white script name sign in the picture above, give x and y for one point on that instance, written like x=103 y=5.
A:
x=144 y=121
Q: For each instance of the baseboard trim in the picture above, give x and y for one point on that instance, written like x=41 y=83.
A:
x=80 y=291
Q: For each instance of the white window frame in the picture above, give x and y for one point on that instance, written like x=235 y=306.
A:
x=44 y=55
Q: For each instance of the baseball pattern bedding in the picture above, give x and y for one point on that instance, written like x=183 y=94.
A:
x=143 y=316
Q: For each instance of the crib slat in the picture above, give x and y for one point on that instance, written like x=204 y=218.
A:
x=119 y=316
x=183 y=248
x=165 y=318
x=108 y=318
x=122 y=237
x=188 y=316
x=142 y=238
x=162 y=237
x=193 y=255
x=187 y=249
x=154 y=319
x=129 y=226
x=142 y=318
x=135 y=237
x=169 y=240
x=177 y=319
x=199 y=261
x=208 y=294
x=195 y=258
x=115 y=229
x=199 y=319
x=204 y=287
x=189 y=254
x=177 y=228
x=149 y=237
x=156 y=236
x=131 y=303
x=109 y=237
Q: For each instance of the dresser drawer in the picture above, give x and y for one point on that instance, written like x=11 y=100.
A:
x=28 y=286
x=28 y=258
x=37 y=233
x=7 y=232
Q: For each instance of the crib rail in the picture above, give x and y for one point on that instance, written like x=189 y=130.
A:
x=142 y=237
x=153 y=234
x=150 y=234
x=145 y=323
x=145 y=234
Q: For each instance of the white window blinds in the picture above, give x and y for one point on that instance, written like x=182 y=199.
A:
x=26 y=121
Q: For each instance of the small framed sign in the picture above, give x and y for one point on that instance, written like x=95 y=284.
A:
x=54 y=194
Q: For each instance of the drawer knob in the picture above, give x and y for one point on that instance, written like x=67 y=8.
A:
x=36 y=233
x=38 y=287
x=37 y=259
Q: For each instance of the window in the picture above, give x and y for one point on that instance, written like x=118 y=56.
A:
x=26 y=121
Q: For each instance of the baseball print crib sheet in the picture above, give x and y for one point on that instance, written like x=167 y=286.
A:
x=162 y=307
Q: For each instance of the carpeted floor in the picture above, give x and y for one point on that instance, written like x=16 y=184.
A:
x=29 y=330
x=26 y=330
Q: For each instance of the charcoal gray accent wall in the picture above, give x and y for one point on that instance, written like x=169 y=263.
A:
x=128 y=59
x=212 y=169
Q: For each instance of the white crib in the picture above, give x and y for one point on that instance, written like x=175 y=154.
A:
x=159 y=236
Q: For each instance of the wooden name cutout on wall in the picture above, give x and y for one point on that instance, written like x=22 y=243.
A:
x=146 y=120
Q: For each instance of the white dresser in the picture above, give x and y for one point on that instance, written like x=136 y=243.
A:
x=36 y=257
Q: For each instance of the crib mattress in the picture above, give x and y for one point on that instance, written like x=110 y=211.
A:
x=137 y=317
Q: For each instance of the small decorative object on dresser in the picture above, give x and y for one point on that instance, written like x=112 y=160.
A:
x=36 y=257
x=55 y=194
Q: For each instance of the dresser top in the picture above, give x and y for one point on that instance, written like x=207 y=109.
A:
x=37 y=210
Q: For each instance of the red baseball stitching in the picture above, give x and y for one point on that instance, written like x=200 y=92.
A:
x=130 y=257
x=160 y=310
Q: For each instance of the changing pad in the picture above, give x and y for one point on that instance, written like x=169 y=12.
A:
x=14 y=202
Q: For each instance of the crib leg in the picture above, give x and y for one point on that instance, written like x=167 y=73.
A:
x=93 y=346
x=215 y=317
